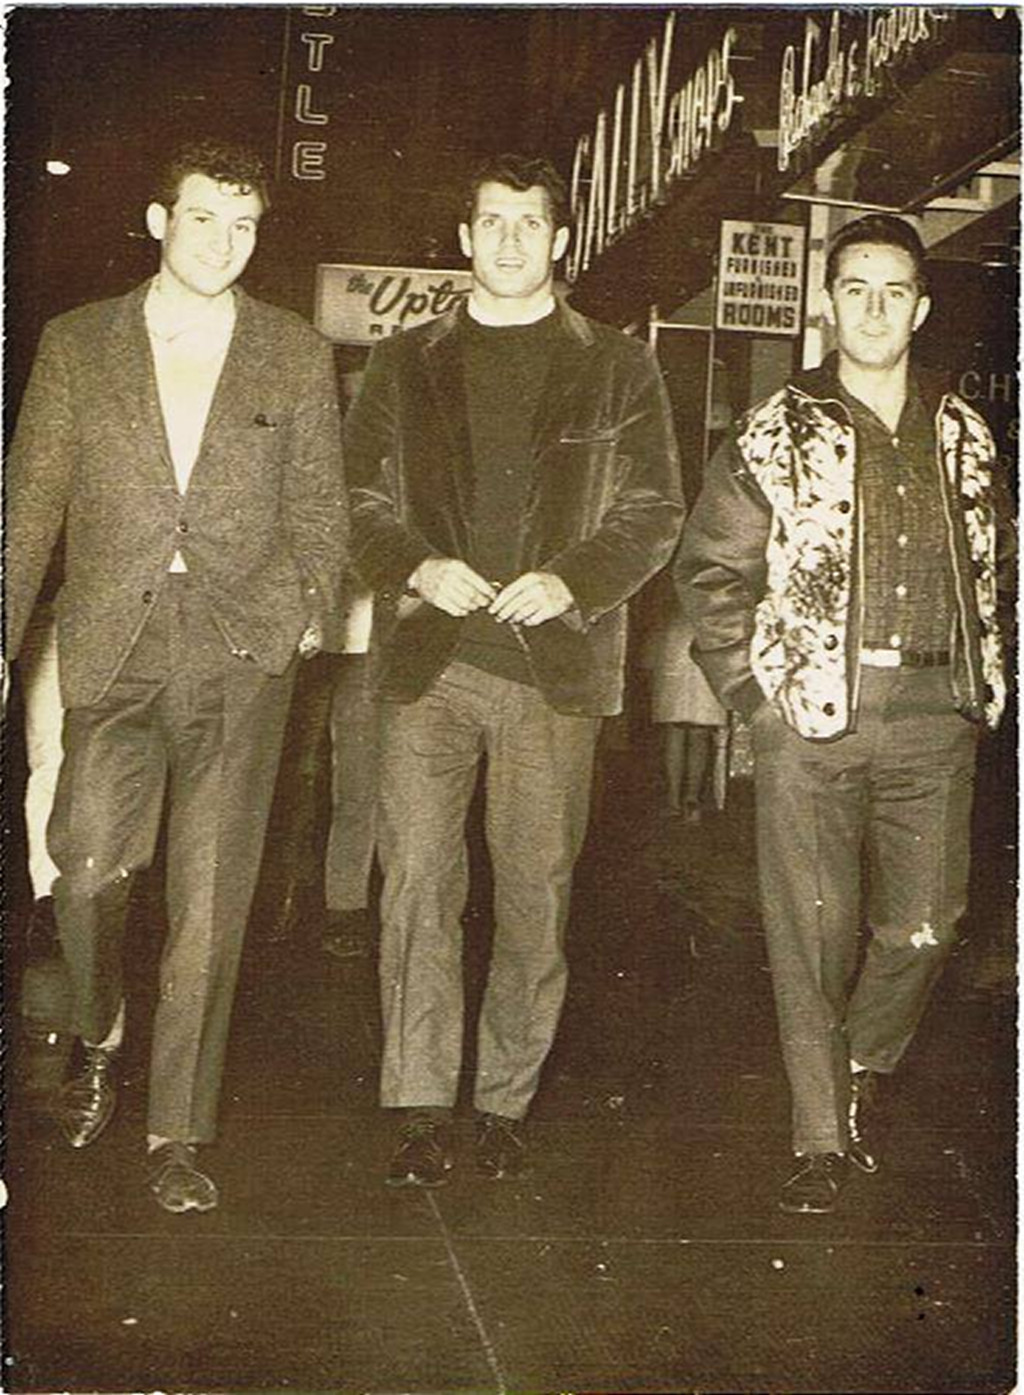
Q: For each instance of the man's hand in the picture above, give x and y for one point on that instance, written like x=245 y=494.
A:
x=533 y=598
x=451 y=585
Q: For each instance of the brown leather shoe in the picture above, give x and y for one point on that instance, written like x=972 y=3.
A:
x=423 y=1157
x=500 y=1146
x=814 y=1187
x=84 y=1105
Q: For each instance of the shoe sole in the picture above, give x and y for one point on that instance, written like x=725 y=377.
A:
x=792 y=1209
x=189 y=1206
x=865 y=1164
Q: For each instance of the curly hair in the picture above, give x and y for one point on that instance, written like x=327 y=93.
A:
x=520 y=172
x=227 y=164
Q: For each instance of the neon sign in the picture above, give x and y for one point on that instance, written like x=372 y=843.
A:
x=646 y=141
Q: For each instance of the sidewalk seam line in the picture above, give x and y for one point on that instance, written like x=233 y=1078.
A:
x=467 y=1293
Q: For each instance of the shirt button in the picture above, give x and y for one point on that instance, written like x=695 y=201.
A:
x=829 y=709
x=831 y=641
x=895 y=641
x=844 y=506
x=901 y=541
x=901 y=590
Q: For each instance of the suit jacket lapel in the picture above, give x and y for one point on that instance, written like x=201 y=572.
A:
x=129 y=361
x=243 y=374
x=442 y=364
x=565 y=373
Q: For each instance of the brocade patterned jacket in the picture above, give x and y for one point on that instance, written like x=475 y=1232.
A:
x=770 y=564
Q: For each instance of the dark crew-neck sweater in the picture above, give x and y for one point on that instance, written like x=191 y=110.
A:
x=504 y=370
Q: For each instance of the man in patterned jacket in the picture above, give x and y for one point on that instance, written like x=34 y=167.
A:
x=841 y=570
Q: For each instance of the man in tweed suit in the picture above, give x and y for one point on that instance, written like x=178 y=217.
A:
x=187 y=436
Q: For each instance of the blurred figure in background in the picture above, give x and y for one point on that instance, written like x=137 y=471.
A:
x=693 y=723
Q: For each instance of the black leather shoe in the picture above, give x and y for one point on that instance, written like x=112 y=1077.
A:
x=85 y=1104
x=500 y=1146
x=423 y=1157
x=814 y=1187
x=177 y=1183
x=863 y=1119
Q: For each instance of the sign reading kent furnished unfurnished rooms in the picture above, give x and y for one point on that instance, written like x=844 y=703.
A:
x=760 y=277
x=361 y=304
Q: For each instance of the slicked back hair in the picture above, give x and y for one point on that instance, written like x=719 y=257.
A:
x=878 y=229
x=521 y=172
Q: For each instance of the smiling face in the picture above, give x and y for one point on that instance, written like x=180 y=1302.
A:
x=513 y=246
x=875 y=304
x=207 y=237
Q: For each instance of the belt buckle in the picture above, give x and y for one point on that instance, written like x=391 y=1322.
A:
x=881 y=658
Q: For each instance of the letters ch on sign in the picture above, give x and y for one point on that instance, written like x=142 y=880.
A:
x=309 y=157
x=632 y=157
x=823 y=79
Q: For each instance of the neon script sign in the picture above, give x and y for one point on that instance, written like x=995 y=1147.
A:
x=647 y=139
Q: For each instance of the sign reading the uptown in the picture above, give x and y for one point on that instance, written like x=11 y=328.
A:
x=362 y=304
x=822 y=81
x=760 y=277
x=652 y=133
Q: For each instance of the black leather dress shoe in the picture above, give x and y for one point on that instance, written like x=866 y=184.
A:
x=423 y=1157
x=500 y=1146
x=814 y=1187
x=863 y=1121
x=84 y=1105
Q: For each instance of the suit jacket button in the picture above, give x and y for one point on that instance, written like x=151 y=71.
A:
x=147 y=598
x=183 y=526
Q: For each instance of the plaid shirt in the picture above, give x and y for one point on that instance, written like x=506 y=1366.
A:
x=907 y=580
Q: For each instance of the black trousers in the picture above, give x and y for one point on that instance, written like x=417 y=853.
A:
x=188 y=714
x=872 y=827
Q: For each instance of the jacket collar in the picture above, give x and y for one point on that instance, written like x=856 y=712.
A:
x=822 y=384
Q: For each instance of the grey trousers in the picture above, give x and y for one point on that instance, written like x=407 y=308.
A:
x=874 y=826
x=183 y=712
x=539 y=769
x=355 y=717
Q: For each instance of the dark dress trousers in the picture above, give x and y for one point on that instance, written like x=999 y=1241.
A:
x=169 y=680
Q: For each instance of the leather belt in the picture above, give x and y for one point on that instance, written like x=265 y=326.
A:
x=904 y=658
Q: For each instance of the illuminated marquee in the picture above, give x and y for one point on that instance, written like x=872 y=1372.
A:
x=308 y=156
x=647 y=140
x=829 y=78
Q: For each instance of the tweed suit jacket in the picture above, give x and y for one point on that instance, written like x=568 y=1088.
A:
x=603 y=510
x=262 y=525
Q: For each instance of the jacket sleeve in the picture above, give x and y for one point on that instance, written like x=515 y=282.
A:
x=313 y=497
x=720 y=574
x=39 y=470
x=639 y=529
x=385 y=550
